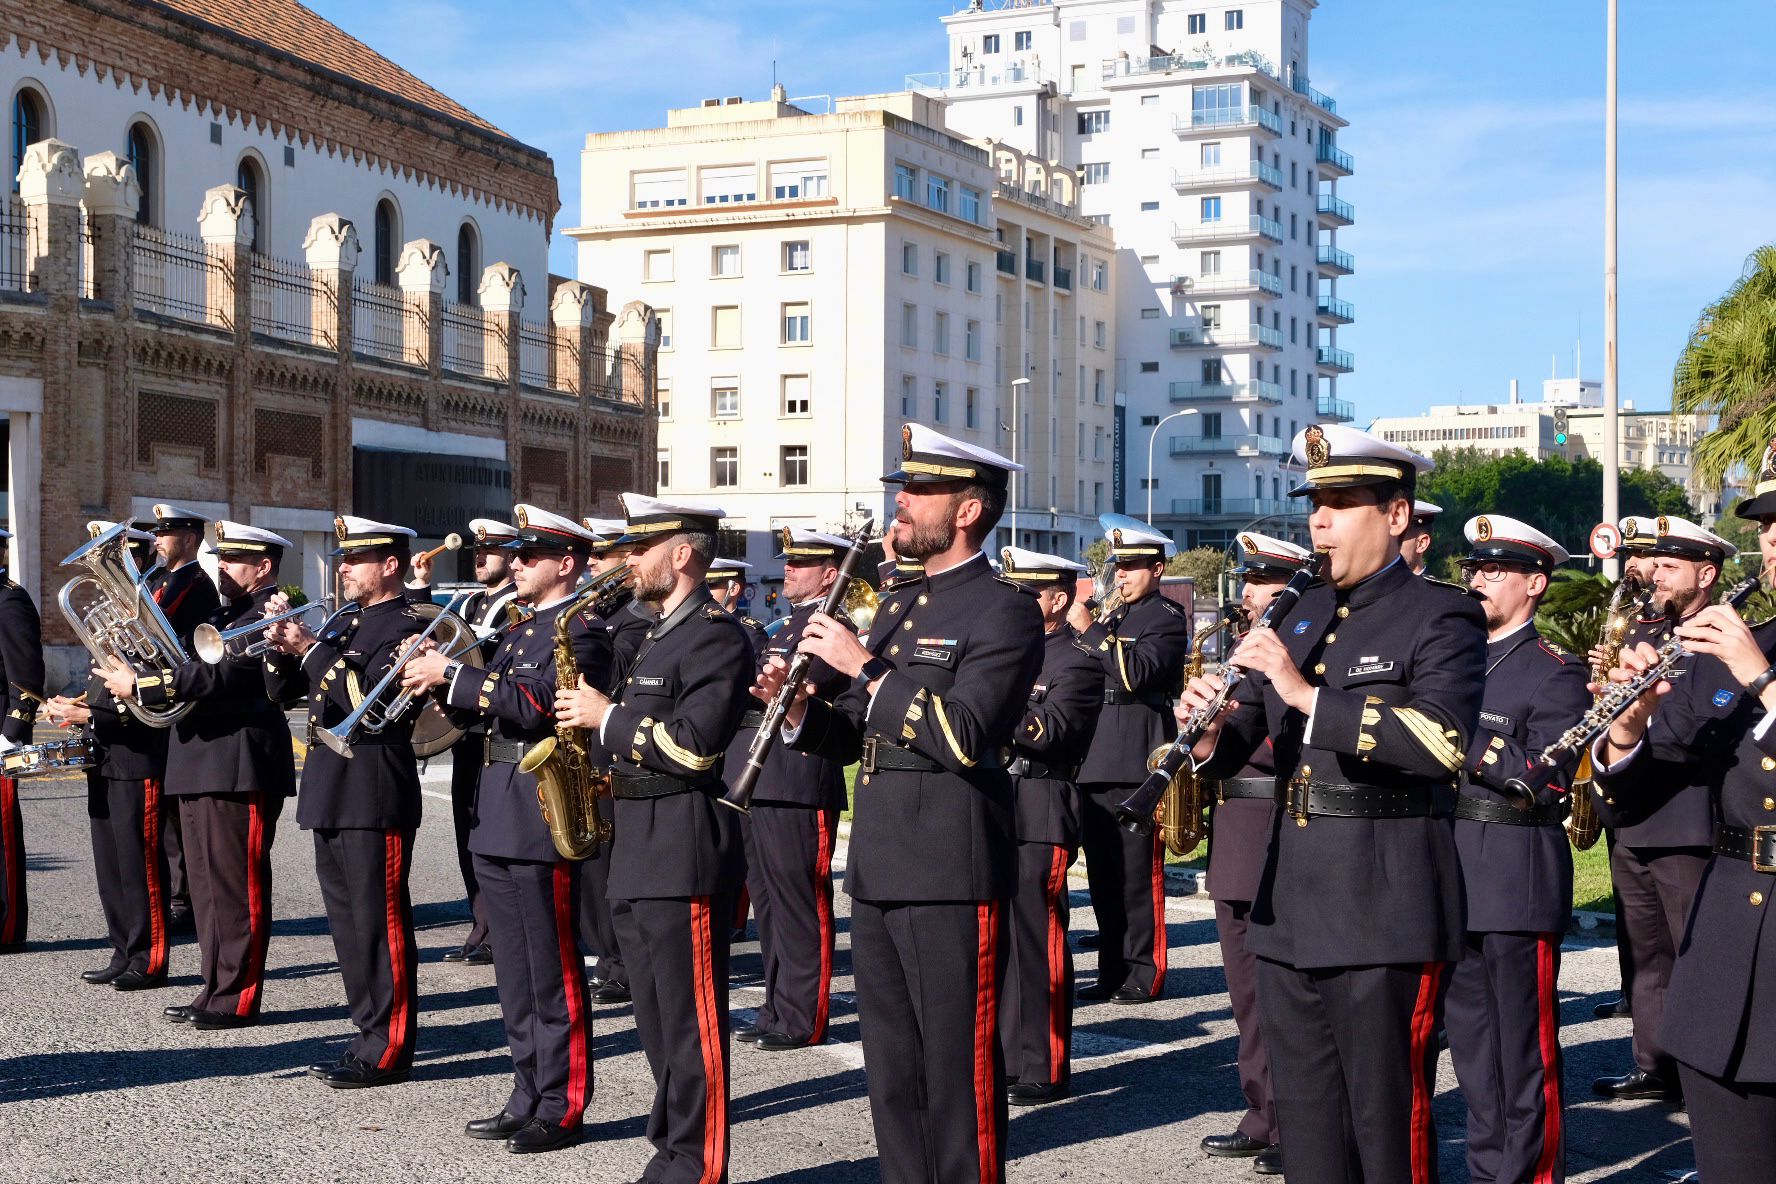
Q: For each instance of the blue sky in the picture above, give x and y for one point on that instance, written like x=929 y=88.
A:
x=1477 y=131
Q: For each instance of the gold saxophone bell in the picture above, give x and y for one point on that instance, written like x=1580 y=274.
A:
x=1627 y=601
x=1182 y=815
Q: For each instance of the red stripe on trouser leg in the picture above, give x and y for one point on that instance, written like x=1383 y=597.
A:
x=394 y=858
x=1424 y=1022
x=258 y=923
x=1057 y=967
x=12 y=927
x=823 y=912
x=579 y=1069
x=986 y=1027
x=1547 y=946
x=157 y=919
x=709 y=1037
x=1159 y=915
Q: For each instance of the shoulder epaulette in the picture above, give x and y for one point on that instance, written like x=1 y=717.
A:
x=715 y=612
x=1173 y=606
x=752 y=622
x=1015 y=584
x=1462 y=588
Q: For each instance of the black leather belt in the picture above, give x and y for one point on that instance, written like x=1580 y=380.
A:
x=1025 y=766
x=640 y=786
x=505 y=752
x=1486 y=810
x=753 y=717
x=1124 y=698
x=1757 y=846
x=1304 y=798
x=878 y=755
x=1245 y=787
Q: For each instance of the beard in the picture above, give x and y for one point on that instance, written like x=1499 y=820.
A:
x=228 y=586
x=922 y=542
x=653 y=583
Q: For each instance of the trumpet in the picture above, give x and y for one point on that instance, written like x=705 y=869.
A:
x=373 y=715
x=211 y=644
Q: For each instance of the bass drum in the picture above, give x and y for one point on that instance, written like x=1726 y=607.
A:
x=433 y=732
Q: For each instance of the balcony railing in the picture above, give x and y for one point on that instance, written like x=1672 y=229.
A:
x=1064 y=278
x=1336 y=211
x=1253 y=172
x=1229 y=230
x=292 y=303
x=180 y=277
x=1247 y=508
x=1007 y=261
x=1245 y=337
x=1331 y=308
x=548 y=358
x=1227 y=446
x=976 y=78
x=1342 y=410
x=14 y=232
x=1253 y=391
x=1336 y=159
x=1175 y=63
x=1336 y=359
x=385 y=325
x=1034 y=269
x=1226 y=119
x=1189 y=287
x=1336 y=261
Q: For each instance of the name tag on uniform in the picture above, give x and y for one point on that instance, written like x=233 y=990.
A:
x=651 y=681
x=1493 y=719
x=354 y=653
x=932 y=653
x=1368 y=666
x=527 y=665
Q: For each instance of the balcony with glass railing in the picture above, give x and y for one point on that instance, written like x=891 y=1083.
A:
x=1334 y=261
x=1035 y=269
x=1227 y=446
x=1335 y=211
x=1243 y=337
x=1006 y=261
x=1254 y=172
x=1189 y=287
x=1340 y=360
x=1229 y=230
x=1133 y=67
x=1334 y=159
x=977 y=79
x=1338 y=312
x=1323 y=101
x=1253 y=391
x=1246 y=509
x=1339 y=410
x=1227 y=119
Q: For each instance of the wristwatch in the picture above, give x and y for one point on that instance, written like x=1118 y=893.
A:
x=875 y=668
x=451 y=670
x=1761 y=681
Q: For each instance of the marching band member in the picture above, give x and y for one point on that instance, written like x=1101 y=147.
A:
x=1416 y=546
x=1036 y=1019
x=21 y=669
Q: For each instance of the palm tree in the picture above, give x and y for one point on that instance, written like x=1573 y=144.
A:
x=1728 y=369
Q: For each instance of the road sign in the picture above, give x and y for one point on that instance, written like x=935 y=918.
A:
x=1605 y=538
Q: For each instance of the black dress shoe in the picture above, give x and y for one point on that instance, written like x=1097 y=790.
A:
x=136 y=980
x=1613 y=1011
x=1238 y=1143
x=780 y=1042
x=217 y=1021
x=1130 y=995
x=182 y=923
x=478 y=955
x=1035 y=1093
x=356 y=1074
x=540 y=1135
x=611 y=993
x=101 y=977
x=322 y=1068
x=181 y=1014
x=1088 y=941
x=1096 y=993
x=1269 y=1161
x=456 y=955
x=501 y=1126
x=749 y=1034
x=1636 y=1085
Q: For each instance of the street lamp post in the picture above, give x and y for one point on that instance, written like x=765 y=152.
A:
x=1018 y=386
x=1151 y=437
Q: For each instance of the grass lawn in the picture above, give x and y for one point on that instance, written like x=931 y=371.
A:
x=1591 y=882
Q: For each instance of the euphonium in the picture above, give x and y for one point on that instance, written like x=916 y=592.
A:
x=568 y=786
x=1628 y=601
x=1105 y=599
x=1182 y=810
x=114 y=616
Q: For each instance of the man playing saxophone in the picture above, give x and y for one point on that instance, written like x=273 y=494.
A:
x=531 y=892
x=676 y=870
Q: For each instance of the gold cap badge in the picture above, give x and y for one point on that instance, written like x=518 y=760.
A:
x=339 y=528
x=1318 y=451
x=1483 y=528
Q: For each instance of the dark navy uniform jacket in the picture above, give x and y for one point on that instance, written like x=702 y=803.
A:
x=1519 y=878
x=611 y=643
x=1678 y=813
x=678 y=710
x=1399 y=662
x=21 y=660
x=1723 y=988
x=486 y=611
x=965 y=645
x=1141 y=648
x=798 y=778
x=236 y=739
x=378 y=787
x=1239 y=833
x=1056 y=731
x=187 y=598
x=128 y=750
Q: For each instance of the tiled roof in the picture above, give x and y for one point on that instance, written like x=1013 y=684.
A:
x=287 y=27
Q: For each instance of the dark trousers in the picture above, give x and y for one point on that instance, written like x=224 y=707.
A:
x=228 y=861
x=1503 y=1019
x=1354 y=1061
x=789 y=853
x=1126 y=874
x=15 y=912
x=542 y=986
x=465 y=779
x=1232 y=919
x=363 y=875
x=172 y=847
x=677 y=953
x=130 y=866
x=928 y=979
x=598 y=931
x=1655 y=887
x=1036 y=1012
x=1732 y=1127
x=1624 y=944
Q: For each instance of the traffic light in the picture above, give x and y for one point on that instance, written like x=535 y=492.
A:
x=1560 y=426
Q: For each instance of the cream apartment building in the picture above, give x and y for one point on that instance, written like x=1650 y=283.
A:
x=822 y=277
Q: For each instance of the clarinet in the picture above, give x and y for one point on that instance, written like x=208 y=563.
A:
x=1610 y=705
x=740 y=796
x=1135 y=813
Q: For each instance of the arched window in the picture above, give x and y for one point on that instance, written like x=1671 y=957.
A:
x=249 y=181
x=27 y=127
x=387 y=233
x=145 y=160
x=467 y=261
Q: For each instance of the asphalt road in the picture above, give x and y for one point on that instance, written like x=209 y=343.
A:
x=95 y=1085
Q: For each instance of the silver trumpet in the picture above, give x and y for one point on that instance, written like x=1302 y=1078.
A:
x=211 y=644
x=373 y=715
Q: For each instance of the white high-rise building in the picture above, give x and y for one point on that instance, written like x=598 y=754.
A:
x=1200 y=142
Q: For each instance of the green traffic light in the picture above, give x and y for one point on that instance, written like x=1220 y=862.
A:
x=1560 y=437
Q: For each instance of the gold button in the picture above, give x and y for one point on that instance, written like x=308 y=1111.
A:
x=1343 y=611
x=1770 y=803
x=1609 y=801
x=1307 y=770
x=923 y=598
x=907 y=625
x=1769 y=764
x=1319 y=668
x=1331 y=637
x=866 y=778
x=1756 y=898
x=893 y=649
x=894 y=608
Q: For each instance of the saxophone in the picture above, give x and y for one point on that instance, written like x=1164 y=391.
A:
x=568 y=786
x=1181 y=813
x=1627 y=602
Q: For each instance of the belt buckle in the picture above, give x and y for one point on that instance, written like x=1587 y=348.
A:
x=867 y=762
x=1297 y=797
x=1758 y=865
